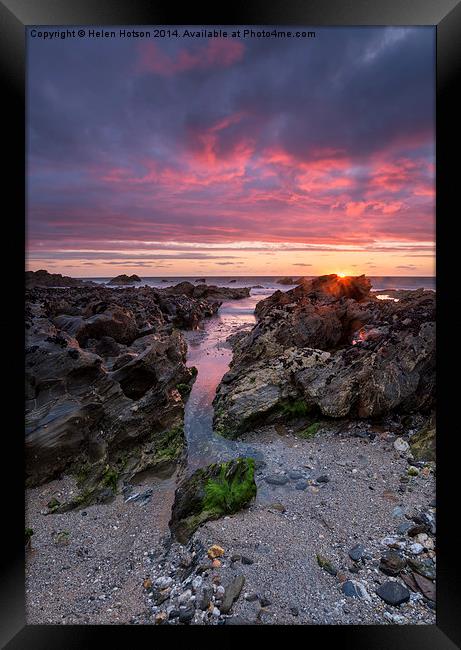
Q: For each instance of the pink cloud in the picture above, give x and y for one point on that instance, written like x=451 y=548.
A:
x=216 y=53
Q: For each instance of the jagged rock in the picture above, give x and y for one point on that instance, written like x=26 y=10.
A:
x=124 y=279
x=211 y=492
x=42 y=278
x=104 y=369
x=330 y=347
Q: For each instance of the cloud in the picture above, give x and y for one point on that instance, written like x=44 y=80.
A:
x=212 y=142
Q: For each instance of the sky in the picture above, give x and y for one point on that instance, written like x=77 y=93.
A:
x=237 y=156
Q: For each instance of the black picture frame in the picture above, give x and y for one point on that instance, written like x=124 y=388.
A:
x=15 y=16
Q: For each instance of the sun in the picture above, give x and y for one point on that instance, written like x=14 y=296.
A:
x=341 y=275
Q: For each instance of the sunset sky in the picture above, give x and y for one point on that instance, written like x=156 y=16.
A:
x=233 y=156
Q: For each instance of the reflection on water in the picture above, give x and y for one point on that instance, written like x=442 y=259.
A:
x=209 y=352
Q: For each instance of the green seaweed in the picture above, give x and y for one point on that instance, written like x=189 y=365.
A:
x=184 y=389
x=227 y=495
x=28 y=534
x=294 y=408
x=311 y=430
x=110 y=478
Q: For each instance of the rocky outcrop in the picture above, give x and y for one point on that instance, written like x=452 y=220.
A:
x=209 y=292
x=329 y=347
x=212 y=492
x=124 y=279
x=105 y=375
x=42 y=278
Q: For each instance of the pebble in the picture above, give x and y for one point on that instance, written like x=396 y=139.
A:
x=393 y=593
x=232 y=592
x=247 y=560
x=276 y=479
x=356 y=552
x=294 y=611
x=392 y=563
x=250 y=597
x=401 y=445
x=355 y=589
x=323 y=479
x=265 y=602
x=295 y=474
x=163 y=582
x=416 y=548
x=402 y=529
x=197 y=582
x=185 y=597
x=186 y=613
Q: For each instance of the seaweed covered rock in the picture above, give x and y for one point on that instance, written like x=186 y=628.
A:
x=212 y=492
x=422 y=443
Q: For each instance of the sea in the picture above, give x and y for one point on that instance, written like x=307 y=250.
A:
x=265 y=285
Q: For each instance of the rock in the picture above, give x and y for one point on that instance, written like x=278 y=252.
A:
x=186 y=613
x=185 y=597
x=425 y=586
x=160 y=618
x=98 y=387
x=330 y=347
x=278 y=506
x=294 y=611
x=163 y=582
x=422 y=443
x=393 y=593
x=416 y=548
x=264 y=602
x=323 y=479
x=403 y=528
x=401 y=445
x=251 y=598
x=210 y=493
x=216 y=563
x=215 y=551
x=325 y=564
x=355 y=589
x=204 y=597
x=42 y=278
x=392 y=563
x=232 y=592
x=276 y=479
x=285 y=280
x=356 y=552
x=247 y=560
x=423 y=567
x=124 y=279
x=295 y=475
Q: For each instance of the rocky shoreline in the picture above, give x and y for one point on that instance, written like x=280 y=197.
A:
x=335 y=390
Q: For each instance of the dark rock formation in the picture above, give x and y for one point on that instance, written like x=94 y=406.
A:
x=42 y=278
x=210 y=493
x=329 y=346
x=105 y=380
x=286 y=280
x=124 y=279
x=209 y=292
